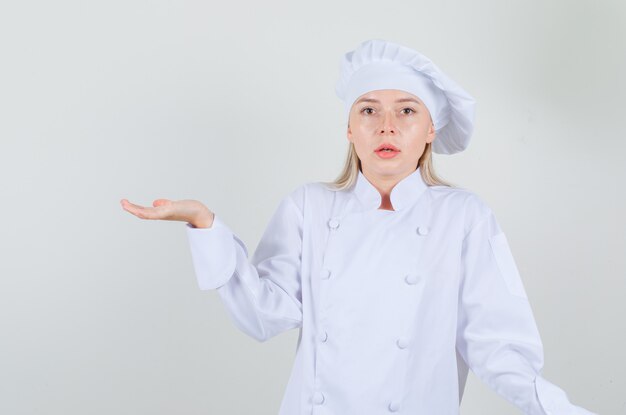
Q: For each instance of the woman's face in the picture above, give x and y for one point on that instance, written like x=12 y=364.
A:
x=394 y=117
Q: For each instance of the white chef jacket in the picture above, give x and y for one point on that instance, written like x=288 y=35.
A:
x=392 y=307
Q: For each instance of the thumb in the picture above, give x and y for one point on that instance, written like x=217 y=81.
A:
x=161 y=202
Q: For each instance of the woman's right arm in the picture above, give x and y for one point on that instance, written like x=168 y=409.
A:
x=262 y=294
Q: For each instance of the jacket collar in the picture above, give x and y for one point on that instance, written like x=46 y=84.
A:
x=403 y=194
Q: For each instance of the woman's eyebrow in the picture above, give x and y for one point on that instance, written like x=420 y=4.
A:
x=378 y=102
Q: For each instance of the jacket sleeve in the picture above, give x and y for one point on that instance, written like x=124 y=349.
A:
x=262 y=294
x=497 y=335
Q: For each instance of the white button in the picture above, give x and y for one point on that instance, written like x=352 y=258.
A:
x=326 y=274
x=318 y=398
x=393 y=406
x=323 y=336
x=411 y=279
x=402 y=342
x=422 y=230
x=333 y=223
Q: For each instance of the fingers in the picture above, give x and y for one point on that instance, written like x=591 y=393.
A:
x=140 y=211
x=131 y=207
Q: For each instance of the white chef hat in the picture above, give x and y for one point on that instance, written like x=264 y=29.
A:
x=380 y=64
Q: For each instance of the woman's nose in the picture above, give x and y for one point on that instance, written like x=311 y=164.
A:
x=388 y=124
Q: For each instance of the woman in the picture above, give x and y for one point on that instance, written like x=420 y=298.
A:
x=397 y=281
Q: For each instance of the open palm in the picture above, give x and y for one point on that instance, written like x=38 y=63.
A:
x=191 y=211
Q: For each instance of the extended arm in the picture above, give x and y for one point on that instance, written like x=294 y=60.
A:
x=497 y=334
x=262 y=294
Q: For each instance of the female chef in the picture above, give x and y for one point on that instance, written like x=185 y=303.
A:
x=397 y=282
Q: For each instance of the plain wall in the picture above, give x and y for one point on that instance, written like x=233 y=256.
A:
x=233 y=104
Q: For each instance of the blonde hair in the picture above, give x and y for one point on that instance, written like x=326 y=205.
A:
x=352 y=166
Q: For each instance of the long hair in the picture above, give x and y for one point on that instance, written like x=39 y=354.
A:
x=352 y=166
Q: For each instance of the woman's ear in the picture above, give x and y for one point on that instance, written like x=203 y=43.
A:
x=349 y=133
x=431 y=133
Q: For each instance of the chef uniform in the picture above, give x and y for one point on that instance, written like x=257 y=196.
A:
x=392 y=306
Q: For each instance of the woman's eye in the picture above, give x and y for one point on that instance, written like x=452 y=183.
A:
x=369 y=110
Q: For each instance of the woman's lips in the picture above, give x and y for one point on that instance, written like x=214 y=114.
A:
x=385 y=154
x=389 y=146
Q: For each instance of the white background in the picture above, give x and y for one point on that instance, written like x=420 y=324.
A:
x=233 y=104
